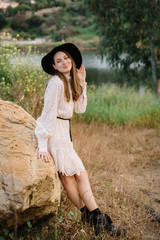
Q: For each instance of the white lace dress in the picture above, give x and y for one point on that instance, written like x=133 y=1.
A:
x=52 y=133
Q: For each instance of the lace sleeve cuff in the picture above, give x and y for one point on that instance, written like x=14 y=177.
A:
x=81 y=103
x=84 y=90
x=42 y=145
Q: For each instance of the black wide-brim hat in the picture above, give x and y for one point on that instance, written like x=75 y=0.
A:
x=47 y=60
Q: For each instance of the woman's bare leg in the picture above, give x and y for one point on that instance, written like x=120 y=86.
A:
x=69 y=184
x=85 y=191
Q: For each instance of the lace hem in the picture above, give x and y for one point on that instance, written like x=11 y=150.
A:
x=72 y=174
x=67 y=162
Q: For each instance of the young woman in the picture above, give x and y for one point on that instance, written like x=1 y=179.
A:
x=65 y=93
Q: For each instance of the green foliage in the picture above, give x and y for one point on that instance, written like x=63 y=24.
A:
x=24 y=35
x=28 y=226
x=76 y=7
x=27 y=28
x=7 y=235
x=35 y=21
x=41 y=5
x=19 y=22
x=23 y=8
x=86 y=33
x=3 y=21
x=10 y=12
x=130 y=27
x=23 y=2
x=133 y=78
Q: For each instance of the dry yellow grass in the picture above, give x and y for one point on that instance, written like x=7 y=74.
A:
x=123 y=167
x=124 y=171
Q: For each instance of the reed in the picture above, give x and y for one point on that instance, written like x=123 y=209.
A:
x=117 y=105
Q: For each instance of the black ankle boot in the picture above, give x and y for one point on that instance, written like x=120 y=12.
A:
x=99 y=221
x=85 y=215
x=102 y=222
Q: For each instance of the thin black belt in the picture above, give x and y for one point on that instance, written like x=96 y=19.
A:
x=69 y=125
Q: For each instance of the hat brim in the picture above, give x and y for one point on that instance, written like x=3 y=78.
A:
x=47 y=60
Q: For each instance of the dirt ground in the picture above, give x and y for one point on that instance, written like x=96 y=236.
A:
x=124 y=162
x=123 y=165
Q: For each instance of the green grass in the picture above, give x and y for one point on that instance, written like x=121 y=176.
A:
x=116 y=105
x=86 y=33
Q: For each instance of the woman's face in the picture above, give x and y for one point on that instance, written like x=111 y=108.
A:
x=62 y=63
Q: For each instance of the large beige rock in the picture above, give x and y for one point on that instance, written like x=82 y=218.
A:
x=29 y=187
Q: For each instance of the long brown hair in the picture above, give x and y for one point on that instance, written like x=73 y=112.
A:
x=75 y=83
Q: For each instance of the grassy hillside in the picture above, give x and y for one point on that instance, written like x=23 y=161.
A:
x=54 y=20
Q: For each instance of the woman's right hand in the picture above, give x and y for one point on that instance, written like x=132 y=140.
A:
x=44 y=156
x=81 y=73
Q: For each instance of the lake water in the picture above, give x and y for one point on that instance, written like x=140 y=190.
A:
x=97 y=71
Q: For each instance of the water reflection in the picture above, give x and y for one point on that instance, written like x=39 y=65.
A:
x=93 y=61
x=98 y=76
x=98 y=71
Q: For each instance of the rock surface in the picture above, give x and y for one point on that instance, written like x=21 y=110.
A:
x=29 y=187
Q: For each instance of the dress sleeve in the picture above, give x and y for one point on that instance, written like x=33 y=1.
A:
x=47 y=121
x=81 y=104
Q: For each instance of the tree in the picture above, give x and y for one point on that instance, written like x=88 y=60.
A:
x=19 y=22
x=3 y=21
x=22 y=8
x=10 y=12
x=130 y=27
x=35 y=21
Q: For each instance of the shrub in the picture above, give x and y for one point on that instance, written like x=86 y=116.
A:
x=46 y=15
x=45 y=30
x=42 y=30
x=21 y=83
x=10 y=12
x=71 y=31
x=23 y=8
x=76 y=7
x=35 y=21
x=54 y=20
x=51 y=21
x=62 y=3
x=40 y=5
x=19 y=22
x=24 y=35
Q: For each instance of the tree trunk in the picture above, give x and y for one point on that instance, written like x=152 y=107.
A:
x=154 y=71
x=154 y=63
x=158 y=87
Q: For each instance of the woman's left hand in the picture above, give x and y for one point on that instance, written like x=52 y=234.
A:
x=81 y=73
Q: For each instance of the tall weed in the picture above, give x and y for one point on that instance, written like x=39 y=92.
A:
x=21 y=81
x=121 y=106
